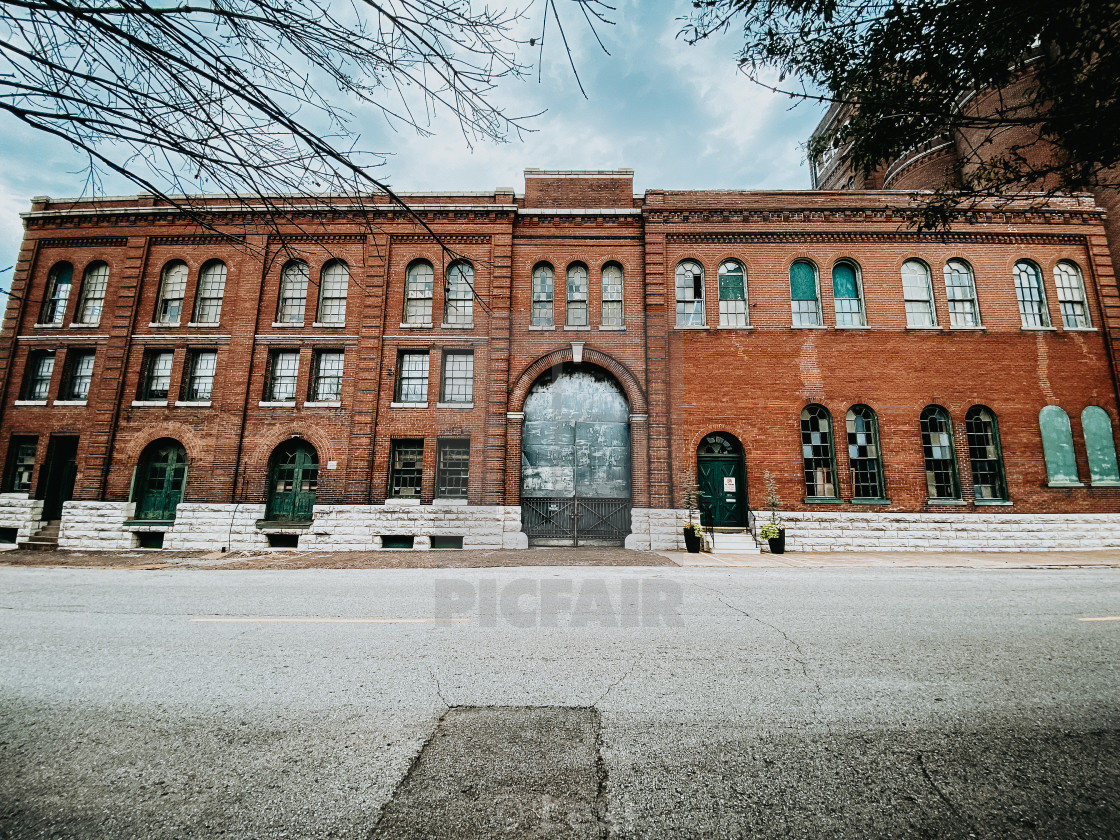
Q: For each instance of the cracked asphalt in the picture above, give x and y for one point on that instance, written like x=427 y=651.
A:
x=628 y=702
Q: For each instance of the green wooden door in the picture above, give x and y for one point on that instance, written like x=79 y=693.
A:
x=163 y=472
x=295 y=477
x=723 y=492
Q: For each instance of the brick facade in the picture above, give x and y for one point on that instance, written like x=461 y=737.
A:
x=682 y=382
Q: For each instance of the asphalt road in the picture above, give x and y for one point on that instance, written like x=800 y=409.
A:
x=560 y=702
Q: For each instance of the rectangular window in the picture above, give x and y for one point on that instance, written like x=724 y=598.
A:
x=412 y=377
x=77 y=375
x=577 y=296
x=283 y=368
x=21 y=463
x=612 y=296
x=211 y=288
x=452 y=467
x=459 y=301
x=199 y=384
x=58 y=293
x=293 y=293
x=732 y=295
x=332 y=293
x=326 y=382
x=93 y=294
x=155 y=377
x=458 y=377
x=37 y=379
x=406 y=469
x=543 y=289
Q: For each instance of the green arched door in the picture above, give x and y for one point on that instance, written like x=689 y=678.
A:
x=721 y=479
x=160 y=478
x=293 y=479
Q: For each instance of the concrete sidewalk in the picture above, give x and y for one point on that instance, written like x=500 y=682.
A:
x=905 y=559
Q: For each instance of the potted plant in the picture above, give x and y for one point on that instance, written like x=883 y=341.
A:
x=693 y=531
x=774 y=532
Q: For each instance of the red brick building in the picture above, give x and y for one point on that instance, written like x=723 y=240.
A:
x=557 y=366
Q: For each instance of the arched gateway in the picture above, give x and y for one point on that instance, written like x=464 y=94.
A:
x=575 y=458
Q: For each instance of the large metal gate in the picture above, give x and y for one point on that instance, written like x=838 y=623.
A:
x=575 y=521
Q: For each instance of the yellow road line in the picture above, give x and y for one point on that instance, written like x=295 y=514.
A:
x=330 y=620
x=1103 y=618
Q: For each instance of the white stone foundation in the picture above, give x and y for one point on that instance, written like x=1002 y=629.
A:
x=205 y=527
x=827 y=531
x=656 y=529
x=19 y=512
x=96 y=525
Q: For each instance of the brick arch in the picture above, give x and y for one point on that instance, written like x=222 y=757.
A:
x=262 y=452
x=634 y=395
x=184 y=434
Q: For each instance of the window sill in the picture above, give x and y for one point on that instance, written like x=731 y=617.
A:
x=980 y=328
x=204 y=323
x=323 y=404
x=1039 y=329
x=1065 y=484
x=612 y=327
x=1080 y=329
x=944 y=502
x=690 y=327
x=330 y=325
x=808 y=327
x=450 y=501
x=408 y=405
x=852 y=327
x=47 y=326
x=30 y=402
x=542 y=327
x=192 y=403
x=94 y=324
x=149 y=403
x=822 y=500
x=402 y=501
x=69 y=402
x=277 y=404
x=926 y=328
x=576 y=328
x=447 y=326
x=730 y=327
x=288 y=325
x=454 y=405
x=995 y=502
x=871 y=501
x=1104 y=482
x=163 y=326
x=415 y=326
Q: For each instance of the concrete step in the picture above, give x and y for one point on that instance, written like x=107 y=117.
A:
x=742 y=543
x=38 y=544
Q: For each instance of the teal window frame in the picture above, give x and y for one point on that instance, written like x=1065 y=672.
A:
x=805 y=288
x=1057 y=447
x=1100 y=447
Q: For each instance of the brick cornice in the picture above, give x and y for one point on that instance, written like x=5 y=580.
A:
x=425 y=239
x=85 y=242
x=883 y=237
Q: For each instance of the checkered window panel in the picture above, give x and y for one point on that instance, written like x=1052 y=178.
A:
x=611 y=313
x=817 y=453
x=940 y=456
x=452 y=468
x=577 y=296
x=984 y=453
x=863 y=453
x=406 y=469
x=544 y=283
x=1071 y=296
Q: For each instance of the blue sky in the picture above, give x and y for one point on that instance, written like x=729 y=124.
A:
x=681 y=117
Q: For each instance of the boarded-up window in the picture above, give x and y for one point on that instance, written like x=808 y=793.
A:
x=804 y=299
x=1057 y=447
x=1100 y=447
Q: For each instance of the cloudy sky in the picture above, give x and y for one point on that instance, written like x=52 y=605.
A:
x=681 y=117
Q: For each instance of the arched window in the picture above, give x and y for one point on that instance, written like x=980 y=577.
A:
x=58 y=293
x=805 y=298
x=1071 y=296
x=293 y=293
x=576 y=312
x=459 y=301
x=1031 y=295
x=293 y=480
x=611 y=313
x=917 y=291
x=985 y=455
x=92 y=297
x=211 y=288
x=863 y=454
x=419 y=285
x=333 y=284
x=172 y=289
x=544 y=285
x=817 y=452
x=1100 y=446
x=942 y=479
x=960 y=289
x=732 y=294
x=690 y=294
x=1057 y=447
x=160 y=478
x=847 y=295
